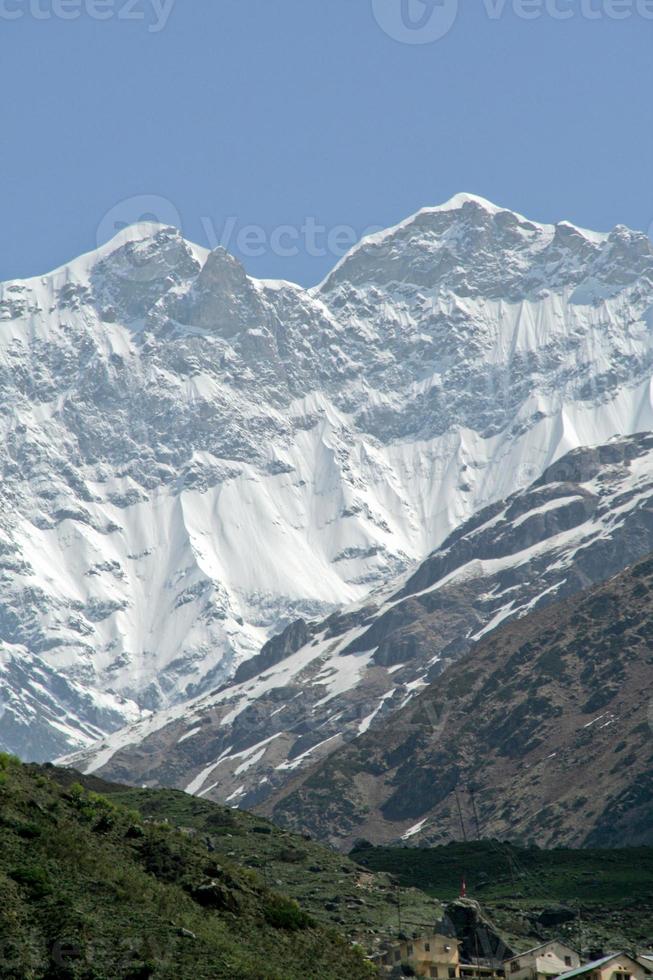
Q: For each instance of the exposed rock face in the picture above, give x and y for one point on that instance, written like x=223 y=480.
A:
x=542 y=734
x=479 y=938
x=223 y=300
x=193 y=459
x=585 y=519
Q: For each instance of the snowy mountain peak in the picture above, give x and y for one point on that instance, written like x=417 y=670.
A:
x=474 y=248
x=461 y=199
x=192 y=459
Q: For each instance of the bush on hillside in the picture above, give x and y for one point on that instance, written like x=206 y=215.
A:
x=285 y=913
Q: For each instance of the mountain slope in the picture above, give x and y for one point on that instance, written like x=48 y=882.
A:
x=543 y=734
x=90 y=889
x=336 y=892
x=192 y=459
x=587 y=517
x=349 y=894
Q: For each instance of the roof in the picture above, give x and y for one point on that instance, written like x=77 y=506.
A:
x=534 y=949
x=594 y=965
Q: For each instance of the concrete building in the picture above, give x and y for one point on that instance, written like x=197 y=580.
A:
x=430 y=956
x=615 y=966
x=542 y=962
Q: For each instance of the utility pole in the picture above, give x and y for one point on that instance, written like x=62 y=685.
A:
x=399 y=907
x=473 y=799
x=460 y=814
x=580 y=935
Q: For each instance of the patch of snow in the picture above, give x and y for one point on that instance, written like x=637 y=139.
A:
x=414 y=829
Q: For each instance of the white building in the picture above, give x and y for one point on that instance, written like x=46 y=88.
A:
x=542 y=962
x=615 y=966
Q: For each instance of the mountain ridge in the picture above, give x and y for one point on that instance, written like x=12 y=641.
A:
x=194 y=459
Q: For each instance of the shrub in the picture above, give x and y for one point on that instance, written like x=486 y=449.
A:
x=292 y=855
x=76 y=793
x=163 y=859
x=28 y=831
x=285 y=913
x=34 y=879
x=222 y=822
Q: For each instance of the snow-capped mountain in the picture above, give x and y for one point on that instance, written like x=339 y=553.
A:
x=194 y=459
x=321 y=684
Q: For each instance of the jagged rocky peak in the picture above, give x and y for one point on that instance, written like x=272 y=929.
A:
x=223 y=299
x=627 y=255
x=430 y=247
x=472 y=247
x=159 y=252
x=138 y=267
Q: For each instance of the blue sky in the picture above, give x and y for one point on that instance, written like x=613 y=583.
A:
x=300 y=116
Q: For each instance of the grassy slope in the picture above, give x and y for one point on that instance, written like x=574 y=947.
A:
x=331 y=887
x=89 y=891
x=612 y=890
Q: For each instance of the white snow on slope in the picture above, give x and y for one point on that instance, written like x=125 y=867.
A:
x=195 y=458
x=607 y=523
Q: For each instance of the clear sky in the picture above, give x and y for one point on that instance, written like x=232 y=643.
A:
x=295 y=116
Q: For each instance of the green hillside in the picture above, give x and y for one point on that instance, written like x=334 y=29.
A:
x=336 y=891
x=89 y=890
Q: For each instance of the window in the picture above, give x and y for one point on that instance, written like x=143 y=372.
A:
x=397 y=955
x=433 y=971
x=410 y=949
x=452 y=972
x=427 y=947
x=567 y=960
x=514 y=966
